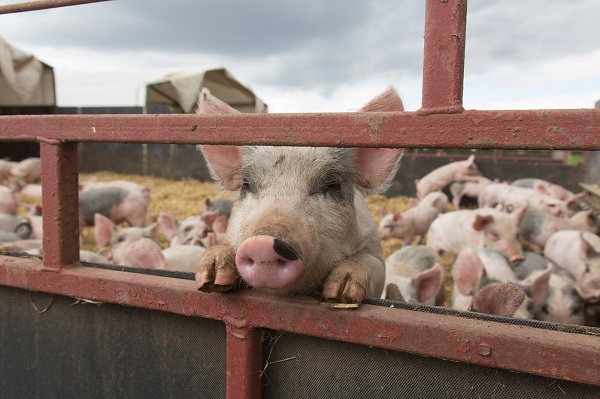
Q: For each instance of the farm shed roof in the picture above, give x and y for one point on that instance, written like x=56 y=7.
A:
x=24 y=80
x=180 y=91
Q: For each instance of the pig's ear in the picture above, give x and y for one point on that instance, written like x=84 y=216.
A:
x=104 y=229
x=219 y=226
x=397 y=216
x=388 y=101
x=500 y=299
x=377 y=166
x=151 y=231
x=586 y=250
x=209 y=217
x=224 y=161
x=519 y=214
x=471 y=160
x=429 y=282
x=392 y=292
x=481 y=221
x=168 y=223
x=467 y=271
x=537 y=285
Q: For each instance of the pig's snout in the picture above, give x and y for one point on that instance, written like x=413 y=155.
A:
x=267 y=262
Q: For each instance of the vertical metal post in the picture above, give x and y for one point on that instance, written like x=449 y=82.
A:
x=60 y=210
x=444 y=59
x=244 y=361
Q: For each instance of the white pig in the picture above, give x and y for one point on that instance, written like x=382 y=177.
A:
x=477 y=228
x=444 y=175
x=405 y=225
x=300 y=224
x=417 y=273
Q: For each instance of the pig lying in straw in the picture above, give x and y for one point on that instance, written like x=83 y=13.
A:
x=300 y=224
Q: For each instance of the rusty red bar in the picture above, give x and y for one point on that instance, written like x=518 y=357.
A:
x=577 y=129
x=60 y=204
x=555 y=354
x=444 y=58
x=244 y=359
x=42 y=5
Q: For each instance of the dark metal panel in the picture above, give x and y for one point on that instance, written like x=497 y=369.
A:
x=547 y=352
x=297 y=367
x=82 y=350
x=576 y=129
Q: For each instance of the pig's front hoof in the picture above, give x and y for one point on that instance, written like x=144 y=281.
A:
x=217 y=271
x=346 y=284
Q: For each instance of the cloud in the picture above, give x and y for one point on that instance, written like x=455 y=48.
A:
x=318 y=53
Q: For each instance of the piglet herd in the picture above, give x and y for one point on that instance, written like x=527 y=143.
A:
x=299 y=224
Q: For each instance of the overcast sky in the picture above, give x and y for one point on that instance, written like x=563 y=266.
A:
x=315 y=55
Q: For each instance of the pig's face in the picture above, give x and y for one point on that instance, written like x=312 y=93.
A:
x=392 y=225
x=303 y=197
x=501 y=232
x=563 y=304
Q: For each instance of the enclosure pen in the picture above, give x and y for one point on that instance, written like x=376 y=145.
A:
x=563 y=355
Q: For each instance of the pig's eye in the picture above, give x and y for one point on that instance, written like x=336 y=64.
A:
x=247 y=186
x=187 y=229
x=494 y=235
x=120 y=239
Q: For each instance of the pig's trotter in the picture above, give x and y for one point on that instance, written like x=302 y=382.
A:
x=217 y=271
x=347 y=283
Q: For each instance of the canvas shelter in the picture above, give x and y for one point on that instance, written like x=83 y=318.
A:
x=24 y=80
x=179 y=91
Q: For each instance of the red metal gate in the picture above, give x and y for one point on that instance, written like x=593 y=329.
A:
x=440 y=123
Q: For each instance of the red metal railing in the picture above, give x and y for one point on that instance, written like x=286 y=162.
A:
x=440 y=123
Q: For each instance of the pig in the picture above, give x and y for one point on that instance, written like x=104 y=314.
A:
x=436 y=199
x=476 y=270
x=573 y=250
x=417 y=273
x=546 y=187
x=24 y=172
x=9 y=203
x=115 y=241
x=405 y=225
x=28 y=246
x=183 y=257
x=471 y=189
x=189 y=231
x=517 y=197
x=5 y=167
x=31 y=190
x=299 y=224
x=18 y=228
x=93 y=184
x=92 y=257
x=222 y=206
x=444 y=175
x=147 y=254
x=477 y=228
x=538 y=226
x=562 y=302
x=117 y=204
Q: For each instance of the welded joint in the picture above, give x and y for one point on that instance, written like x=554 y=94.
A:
x=44 y=140
x=454 y=109
x=238 y=327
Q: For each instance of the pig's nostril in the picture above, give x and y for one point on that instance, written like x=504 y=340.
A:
x=284 y=250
